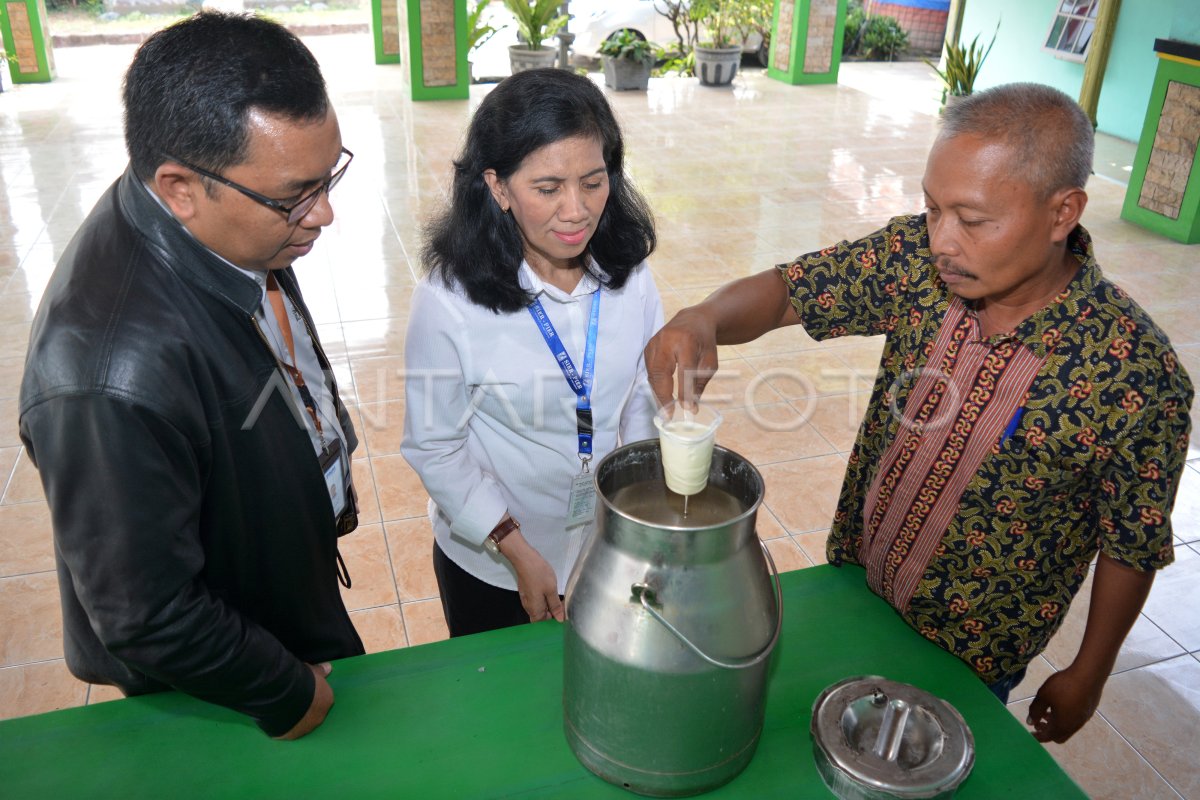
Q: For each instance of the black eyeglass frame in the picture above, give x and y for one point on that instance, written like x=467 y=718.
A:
x=296 y=211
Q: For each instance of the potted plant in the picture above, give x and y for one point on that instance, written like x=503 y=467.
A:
x=628 y=59
x=962 y=67
x=720 y=53
x=478 y=30
x=537 y=20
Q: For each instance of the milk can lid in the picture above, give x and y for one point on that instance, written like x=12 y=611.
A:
x=873 y=737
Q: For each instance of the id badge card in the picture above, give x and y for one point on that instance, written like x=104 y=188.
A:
x=335 y=475
x=581 y=507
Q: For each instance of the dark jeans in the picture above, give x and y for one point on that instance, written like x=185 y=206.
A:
x=471 y=605
x=1004 y=686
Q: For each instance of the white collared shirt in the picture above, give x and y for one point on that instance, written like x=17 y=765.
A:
x=490 y=419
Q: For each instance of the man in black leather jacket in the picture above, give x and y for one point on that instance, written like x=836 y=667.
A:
x=176 y=400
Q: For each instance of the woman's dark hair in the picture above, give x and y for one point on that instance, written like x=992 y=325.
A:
x=473 y=244
x=191 y=87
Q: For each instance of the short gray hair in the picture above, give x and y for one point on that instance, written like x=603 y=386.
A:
x=1050 y=135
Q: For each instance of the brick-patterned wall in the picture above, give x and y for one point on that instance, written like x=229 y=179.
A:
x=783 y=50
x=22 y=31
x=439 y=63
x=1174 y=151
x=389 y=27
x=926 y=27
x=822 y=22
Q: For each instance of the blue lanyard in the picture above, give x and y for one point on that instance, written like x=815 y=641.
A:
x=580 y=384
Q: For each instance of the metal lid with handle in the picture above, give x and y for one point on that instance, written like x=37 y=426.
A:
x=876 y=739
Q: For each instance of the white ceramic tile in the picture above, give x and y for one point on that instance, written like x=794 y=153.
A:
x=1157 y=709
x=1103 y=763
x=1174 y=601
x=1185 y=516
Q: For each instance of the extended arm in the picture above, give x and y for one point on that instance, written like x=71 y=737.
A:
x=1141 y=482
x=682 y=357
x=1068 y=698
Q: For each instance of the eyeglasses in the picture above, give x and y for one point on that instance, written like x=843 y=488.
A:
x=296 y=211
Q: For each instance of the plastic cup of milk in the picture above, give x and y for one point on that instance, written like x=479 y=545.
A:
x=686 y=437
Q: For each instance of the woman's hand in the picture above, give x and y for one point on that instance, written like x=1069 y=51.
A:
x=536 y=582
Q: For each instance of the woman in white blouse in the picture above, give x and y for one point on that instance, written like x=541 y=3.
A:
x=523 y=355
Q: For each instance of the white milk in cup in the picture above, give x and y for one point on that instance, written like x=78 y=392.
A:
x=686 y=437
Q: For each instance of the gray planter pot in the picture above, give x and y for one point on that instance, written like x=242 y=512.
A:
x=624 y=73
x=716 y=66
x=521 y=58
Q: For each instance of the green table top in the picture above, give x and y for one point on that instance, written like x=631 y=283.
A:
x=481 y=717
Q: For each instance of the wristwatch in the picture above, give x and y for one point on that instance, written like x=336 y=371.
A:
x=506 y=526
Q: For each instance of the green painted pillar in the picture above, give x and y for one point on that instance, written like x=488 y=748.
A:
x=27 y=41
x=385 y=27
x=437 y=47
x=1164 y=188
x=806 y=41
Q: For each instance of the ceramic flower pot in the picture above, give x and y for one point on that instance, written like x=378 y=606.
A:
x=624 y=73
x=521 y=58
x=716 y=66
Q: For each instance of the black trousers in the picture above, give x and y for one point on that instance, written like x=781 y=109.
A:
x=471 y=605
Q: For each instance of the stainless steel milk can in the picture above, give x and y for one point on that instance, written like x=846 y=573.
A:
x=671 y=621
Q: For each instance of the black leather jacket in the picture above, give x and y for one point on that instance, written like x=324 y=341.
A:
x=195 y=542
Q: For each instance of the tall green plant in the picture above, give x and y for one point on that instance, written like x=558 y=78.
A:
x=712 y=23
x=478 y=31
x=753 y=16
x=719 y=20
x=537 y=20
x=962 y=66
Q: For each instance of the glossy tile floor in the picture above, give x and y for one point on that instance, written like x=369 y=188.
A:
x=740 y=179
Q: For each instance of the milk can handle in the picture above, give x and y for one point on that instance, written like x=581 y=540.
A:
x=641 y=590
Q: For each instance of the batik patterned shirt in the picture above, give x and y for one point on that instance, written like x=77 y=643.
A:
x=1081 y=452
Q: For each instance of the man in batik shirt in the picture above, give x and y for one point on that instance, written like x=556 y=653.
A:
x=1027 y=413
